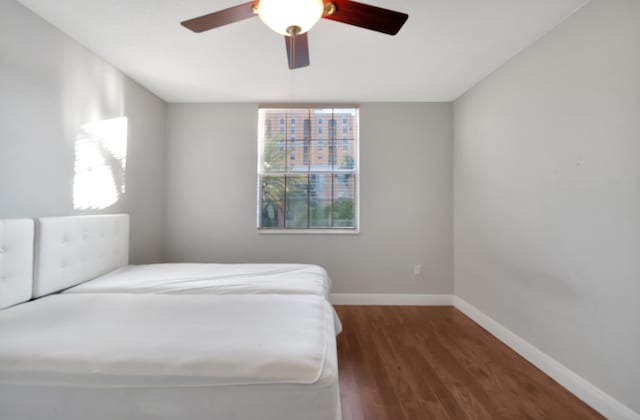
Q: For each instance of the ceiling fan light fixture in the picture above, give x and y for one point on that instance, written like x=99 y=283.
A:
x=290 y=17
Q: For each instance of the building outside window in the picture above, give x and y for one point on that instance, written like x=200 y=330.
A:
x=299 y=190
x=306 y=142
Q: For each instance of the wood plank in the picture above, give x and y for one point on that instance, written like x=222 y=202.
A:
x=432 y=362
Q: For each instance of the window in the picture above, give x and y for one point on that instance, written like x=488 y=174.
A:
x=312 y=194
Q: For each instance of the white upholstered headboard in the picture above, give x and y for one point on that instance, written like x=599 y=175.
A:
x=16 y=261
x=74 y=249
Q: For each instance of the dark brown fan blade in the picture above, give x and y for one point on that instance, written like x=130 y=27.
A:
x=366 y=16
x=297 y=50
x=221 y=18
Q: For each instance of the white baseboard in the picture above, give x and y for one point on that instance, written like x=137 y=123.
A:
x=390 y=299
x=602 y=402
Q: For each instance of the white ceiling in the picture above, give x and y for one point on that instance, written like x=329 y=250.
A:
x=445 y=47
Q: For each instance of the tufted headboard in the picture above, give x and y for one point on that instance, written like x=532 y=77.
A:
x=16 y=261
x=74 y=249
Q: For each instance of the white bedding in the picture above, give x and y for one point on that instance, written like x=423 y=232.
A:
x=214 y=279
x=300 y=279
x=138 y=340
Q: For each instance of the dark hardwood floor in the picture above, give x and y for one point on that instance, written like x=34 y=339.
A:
x=406 y=363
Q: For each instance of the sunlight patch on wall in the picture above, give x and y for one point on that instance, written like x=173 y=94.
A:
x=100 y=164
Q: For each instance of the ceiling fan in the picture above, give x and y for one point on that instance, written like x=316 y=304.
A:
x=293 y=18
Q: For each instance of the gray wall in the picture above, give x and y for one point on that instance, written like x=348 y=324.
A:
x=547 y=196
x=406 y=198
x=49 y=87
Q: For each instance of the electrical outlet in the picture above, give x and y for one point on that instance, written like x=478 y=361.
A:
x=417 y=269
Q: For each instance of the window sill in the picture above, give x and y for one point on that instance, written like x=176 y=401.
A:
x=308 y=231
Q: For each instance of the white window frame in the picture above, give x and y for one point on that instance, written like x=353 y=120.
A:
x=309 y=230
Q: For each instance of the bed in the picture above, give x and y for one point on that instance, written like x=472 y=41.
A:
x=217 y=279
x=89 y=254
x=114 y=354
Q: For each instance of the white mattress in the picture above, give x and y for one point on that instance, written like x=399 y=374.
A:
x=129 y=356
x=300 y=279
x=214 y=279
